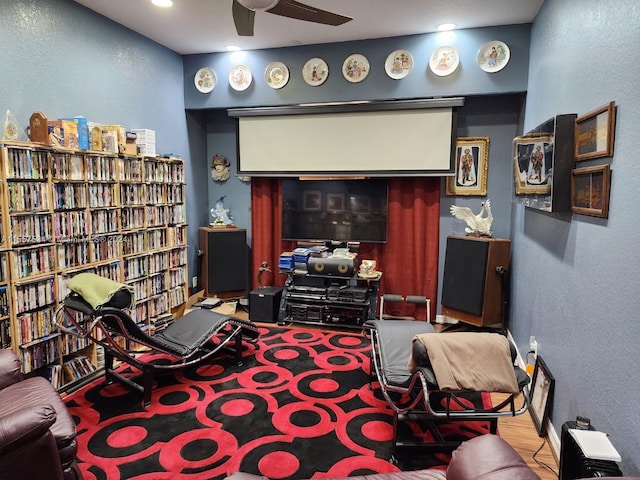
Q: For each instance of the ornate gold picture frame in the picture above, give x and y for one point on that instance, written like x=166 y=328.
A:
x=471 y=167
x=533 y=164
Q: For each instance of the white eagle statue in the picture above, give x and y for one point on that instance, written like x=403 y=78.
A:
x=478 y=225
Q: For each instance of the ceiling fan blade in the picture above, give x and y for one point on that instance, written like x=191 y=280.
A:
x=243 y=19
x=300 y=11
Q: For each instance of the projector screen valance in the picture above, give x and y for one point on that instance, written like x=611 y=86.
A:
x=375 y=139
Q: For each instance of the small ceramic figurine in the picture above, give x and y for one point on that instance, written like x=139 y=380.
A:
x=477 y=225
x=221 y=215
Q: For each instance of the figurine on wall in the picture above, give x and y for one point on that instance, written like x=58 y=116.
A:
x=220 y=168
x=477 y=225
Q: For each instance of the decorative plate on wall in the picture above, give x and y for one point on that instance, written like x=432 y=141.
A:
x=240 y=77
x=399 y=64
x=493 y=56
x=205 y=79
x=276 y=74
x=315 y=71
x=355 y=68
x=444 y=61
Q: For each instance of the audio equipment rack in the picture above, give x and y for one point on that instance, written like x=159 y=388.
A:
x=345 y=301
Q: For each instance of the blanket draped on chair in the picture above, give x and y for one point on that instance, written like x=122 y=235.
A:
x=98 y=291
x=476 y=361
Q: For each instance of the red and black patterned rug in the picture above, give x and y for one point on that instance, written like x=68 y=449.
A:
x=299 y=407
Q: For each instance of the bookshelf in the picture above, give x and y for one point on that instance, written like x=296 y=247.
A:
x=64 y=212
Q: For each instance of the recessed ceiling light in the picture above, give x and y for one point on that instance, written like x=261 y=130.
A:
x=445 y=27
x=232 y=48
x=162 y=3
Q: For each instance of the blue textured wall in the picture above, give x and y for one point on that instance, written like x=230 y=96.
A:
x=63 y=59
x=576 y=283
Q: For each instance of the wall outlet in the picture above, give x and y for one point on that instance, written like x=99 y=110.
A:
x=533 y=345
x=194 y=282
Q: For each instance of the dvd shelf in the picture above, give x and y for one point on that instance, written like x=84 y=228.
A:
x=64 y=212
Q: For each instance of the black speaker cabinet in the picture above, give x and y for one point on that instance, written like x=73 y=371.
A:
x=264 y=304
x=475 y=270
x=224 y=263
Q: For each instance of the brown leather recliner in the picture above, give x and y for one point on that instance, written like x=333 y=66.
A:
x=37 y=433
x=487 y=457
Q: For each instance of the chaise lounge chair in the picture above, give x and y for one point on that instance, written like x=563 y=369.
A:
x=97 y=308
x=409 y=382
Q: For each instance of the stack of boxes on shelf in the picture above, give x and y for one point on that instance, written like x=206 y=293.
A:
x=70 y=210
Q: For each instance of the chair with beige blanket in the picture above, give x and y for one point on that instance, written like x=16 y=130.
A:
x=429 y=376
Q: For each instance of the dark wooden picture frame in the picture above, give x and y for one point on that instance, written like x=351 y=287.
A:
x=594 y=133
x=470 y=176
x=590 y=190
x=541 y=396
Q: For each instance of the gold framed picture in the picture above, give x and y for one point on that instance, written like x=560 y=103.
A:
x=533 y=164
x=471 y=167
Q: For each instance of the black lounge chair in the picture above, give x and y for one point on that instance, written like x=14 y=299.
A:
x=191 y=339
x=417 y=397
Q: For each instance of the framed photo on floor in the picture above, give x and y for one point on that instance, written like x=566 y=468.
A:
x=471 y=167
x=541 y=396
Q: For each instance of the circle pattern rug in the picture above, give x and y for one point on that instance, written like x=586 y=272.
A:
x=299 y=406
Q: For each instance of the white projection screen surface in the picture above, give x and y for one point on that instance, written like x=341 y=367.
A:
x=398 y=142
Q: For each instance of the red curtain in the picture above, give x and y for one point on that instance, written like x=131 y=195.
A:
x=409 y=259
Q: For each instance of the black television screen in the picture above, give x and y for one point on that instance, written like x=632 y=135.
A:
x=335 y=210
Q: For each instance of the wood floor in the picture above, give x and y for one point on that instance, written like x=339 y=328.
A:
x=522 y=436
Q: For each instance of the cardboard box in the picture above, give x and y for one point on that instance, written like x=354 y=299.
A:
x=95 y=136
x=82 y=133
x=121 y=138
x=62 y=133
x=131 y=147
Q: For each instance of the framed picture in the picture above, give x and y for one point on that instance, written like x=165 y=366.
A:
x=590 y=188
x=311 y=200
x=533 y=164
x=594 y=133
x=541 y=396
x=471 y=167
x=335 y=202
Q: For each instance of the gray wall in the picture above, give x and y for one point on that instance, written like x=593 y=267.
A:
x=575 y=284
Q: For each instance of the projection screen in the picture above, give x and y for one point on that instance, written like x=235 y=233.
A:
x=305 y=141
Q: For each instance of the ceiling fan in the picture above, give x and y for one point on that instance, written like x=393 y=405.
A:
x=244 y=12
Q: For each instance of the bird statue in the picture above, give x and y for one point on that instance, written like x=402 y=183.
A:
x=477 y=225
x=220 y=214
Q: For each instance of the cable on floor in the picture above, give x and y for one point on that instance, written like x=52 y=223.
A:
x=541 y=463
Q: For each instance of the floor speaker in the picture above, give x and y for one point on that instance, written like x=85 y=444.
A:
x=224 y=261
x=473 y=286
x=264 y=304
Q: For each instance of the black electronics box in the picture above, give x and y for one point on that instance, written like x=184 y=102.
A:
x=264 y=304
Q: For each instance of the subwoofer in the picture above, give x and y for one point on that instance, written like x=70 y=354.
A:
x=474 y=286
x=337 y=266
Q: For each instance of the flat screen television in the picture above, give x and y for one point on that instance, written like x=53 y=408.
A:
x=335 y=210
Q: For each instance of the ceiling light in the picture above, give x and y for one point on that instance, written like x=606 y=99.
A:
x=232 y=48
x=259 y=5
x=162 y=3
x=445 y=27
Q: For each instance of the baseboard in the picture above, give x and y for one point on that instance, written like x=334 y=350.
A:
x=553 y=439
